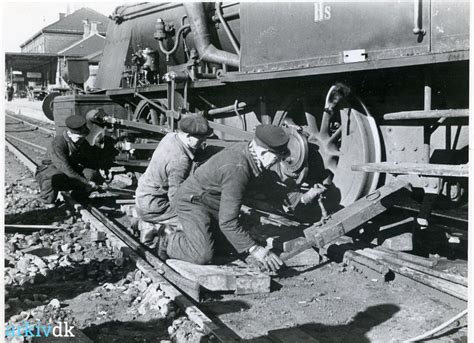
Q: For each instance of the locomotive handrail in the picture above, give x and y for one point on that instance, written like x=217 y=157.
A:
x=417 y=30
x=226 y=28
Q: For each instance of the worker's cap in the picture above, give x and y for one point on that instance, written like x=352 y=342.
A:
x=77 y=124
x=195 y=125
x=272 y=138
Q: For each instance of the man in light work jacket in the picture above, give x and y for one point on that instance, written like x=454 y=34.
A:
x=72 y=165
x=215 y=193
x=170 y=165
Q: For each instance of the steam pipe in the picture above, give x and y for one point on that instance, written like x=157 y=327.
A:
x=202 y=37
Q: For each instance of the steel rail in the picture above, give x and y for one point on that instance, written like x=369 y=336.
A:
x=33 y=145
x=27 y=162
x=49 y=131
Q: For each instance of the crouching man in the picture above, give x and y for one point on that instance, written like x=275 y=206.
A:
x=72 y=165
x=170 y=165
x=214 y=193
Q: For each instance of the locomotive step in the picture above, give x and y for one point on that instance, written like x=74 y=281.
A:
x=411 y=168
x=435 y=114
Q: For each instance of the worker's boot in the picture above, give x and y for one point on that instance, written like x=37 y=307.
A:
x=148 y=233
x=162 y=242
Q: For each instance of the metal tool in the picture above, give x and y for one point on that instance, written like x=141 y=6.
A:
x=309 y=244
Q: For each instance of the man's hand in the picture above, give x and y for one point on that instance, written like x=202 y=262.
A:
x=266 y=259
x=91 y=186
x=312 y=193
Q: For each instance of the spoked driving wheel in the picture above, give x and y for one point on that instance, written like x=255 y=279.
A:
x=336 y=140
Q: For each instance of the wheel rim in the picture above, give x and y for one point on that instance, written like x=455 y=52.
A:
x=338 y=141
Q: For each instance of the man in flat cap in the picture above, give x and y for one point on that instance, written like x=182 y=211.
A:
x=72 y=165
x=170 y=165
x=214 y=193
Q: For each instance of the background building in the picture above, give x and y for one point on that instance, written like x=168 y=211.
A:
x=80 y=34
x=64 y=32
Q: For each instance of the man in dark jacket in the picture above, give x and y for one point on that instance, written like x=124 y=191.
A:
x=72 y=165
x=215 y=193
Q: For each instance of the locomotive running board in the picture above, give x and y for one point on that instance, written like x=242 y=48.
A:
x=411 y=168
x=355 y=214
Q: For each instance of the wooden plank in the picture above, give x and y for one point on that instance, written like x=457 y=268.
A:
x=434 y=114
x=368 y=262
x=409 y=168
x=308 y=257
x=355 y=214
x=442 y=275
x=237 y=277
x=409 y=257
x=445 y=286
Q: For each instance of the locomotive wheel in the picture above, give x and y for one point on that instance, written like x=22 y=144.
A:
x=142 y=112
x=337 y=141
x=47 y=105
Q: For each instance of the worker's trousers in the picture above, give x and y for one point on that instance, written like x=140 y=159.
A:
x=198 y=236
x=52 y=180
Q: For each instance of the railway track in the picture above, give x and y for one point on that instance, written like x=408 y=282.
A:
x=228 y=317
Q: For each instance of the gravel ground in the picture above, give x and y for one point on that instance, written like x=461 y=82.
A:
x=62 y=275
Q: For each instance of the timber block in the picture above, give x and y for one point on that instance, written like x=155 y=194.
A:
x=359 y=212
x=397 y=236
x=308 y=257
x=403 y=242
x=235 y=276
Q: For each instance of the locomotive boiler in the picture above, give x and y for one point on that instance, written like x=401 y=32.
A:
x=366 y=90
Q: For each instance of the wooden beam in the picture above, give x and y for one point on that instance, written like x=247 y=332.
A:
x=237 y=277
x=445 y=286
x=423 y=261
x=409 y=168
x=355 y=214
x=442 y=275
x=434 y=114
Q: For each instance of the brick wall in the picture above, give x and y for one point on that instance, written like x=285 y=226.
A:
x=58 y=42
x=35 y=46
x=51 y=43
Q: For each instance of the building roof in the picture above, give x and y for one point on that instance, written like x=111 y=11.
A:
x=32 y=62
x=72 y=24
x=85 y=46
x=95 y=57
x=22 y=61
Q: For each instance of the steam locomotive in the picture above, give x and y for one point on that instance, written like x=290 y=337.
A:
x=366 y=90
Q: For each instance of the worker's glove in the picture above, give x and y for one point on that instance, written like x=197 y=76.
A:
x=264 y=258
x=91 y=186
x=312 y=193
